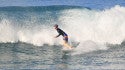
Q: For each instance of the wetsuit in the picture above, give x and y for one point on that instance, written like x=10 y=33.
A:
x=61 y=32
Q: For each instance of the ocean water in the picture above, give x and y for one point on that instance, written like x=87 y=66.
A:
x=26 y=38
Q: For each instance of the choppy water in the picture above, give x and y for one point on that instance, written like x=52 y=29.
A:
x=18 y=56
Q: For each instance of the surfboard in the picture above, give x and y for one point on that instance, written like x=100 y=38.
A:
x=69 y=48
x=67 y=45
x=74 y=45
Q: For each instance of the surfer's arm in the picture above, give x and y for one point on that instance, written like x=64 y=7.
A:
x=58 y=35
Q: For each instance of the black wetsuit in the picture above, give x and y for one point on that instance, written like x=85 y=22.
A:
x=61 y=32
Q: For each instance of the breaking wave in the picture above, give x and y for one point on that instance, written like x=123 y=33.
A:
x=90 y=28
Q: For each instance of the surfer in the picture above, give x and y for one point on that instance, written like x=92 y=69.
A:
x=65 y=36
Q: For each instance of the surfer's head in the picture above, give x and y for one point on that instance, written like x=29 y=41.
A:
x=55 y=26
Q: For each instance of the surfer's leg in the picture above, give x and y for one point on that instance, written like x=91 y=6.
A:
x=65 y=39
x=65 y=44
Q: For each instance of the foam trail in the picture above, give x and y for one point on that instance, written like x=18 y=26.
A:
x=88 y=46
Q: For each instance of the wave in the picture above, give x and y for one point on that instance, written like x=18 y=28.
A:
x=39 y=8
x=34 y=25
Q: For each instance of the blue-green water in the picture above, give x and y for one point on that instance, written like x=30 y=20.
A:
x=18 y=56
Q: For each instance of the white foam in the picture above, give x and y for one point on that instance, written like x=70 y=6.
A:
x=7 y=32
x=99 y=26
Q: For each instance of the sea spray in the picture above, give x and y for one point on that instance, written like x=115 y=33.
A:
x=99 y=26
